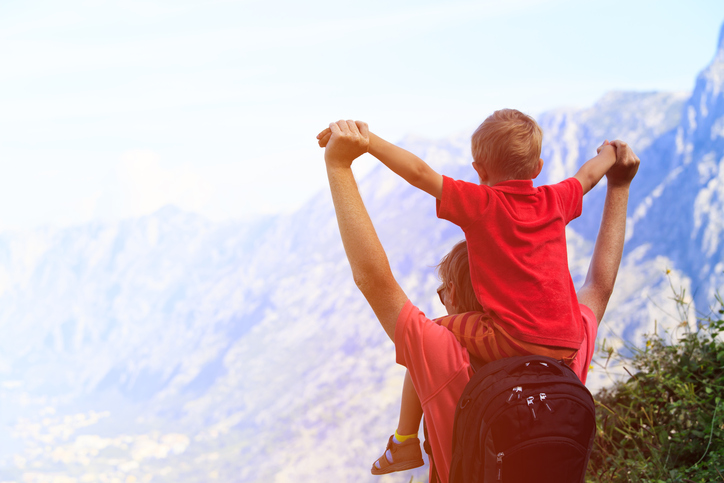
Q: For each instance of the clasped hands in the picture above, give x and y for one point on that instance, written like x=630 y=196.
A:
x=626 y=166
x=344 y=142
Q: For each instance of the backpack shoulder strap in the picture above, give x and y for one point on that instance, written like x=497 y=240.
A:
x=434 y=478
x=476 y=363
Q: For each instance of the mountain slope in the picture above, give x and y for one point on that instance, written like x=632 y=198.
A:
x=170 y=348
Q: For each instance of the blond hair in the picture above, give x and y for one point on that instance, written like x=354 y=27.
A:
x=508 y=144
x=454 y=267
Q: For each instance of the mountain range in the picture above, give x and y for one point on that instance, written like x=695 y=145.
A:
x=171 y=348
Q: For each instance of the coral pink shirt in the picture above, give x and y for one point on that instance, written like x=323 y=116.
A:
x=440 y=370
x=517 y=251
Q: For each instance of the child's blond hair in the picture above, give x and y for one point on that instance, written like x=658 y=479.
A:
x=508 y=144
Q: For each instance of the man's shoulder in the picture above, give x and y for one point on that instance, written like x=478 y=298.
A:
x=415 y=328
x=411 y=319
x=431 y=353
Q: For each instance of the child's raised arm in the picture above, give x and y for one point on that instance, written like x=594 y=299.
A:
x=405 y=164
x=593 y=170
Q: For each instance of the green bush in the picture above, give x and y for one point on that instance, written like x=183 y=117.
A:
x=666 y=423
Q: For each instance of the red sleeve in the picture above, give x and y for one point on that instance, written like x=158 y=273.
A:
x=462 y=202
x=570 y=198
x=429 y=351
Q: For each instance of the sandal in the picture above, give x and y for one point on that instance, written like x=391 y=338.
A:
x=405 y=456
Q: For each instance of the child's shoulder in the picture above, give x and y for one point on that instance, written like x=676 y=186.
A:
x=568 y=184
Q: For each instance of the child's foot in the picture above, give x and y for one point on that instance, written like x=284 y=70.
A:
x=399 y=457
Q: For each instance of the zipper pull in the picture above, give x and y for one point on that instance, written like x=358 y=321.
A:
x=516 y=391
x=542 y=397
x=530 y=400
x=499 y=464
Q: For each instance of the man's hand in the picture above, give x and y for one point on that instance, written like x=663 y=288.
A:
x=324 y=136
x=626 y=166
x=346 y=143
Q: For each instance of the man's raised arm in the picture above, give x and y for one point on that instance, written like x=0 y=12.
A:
x=608 y=250
x=370 y=267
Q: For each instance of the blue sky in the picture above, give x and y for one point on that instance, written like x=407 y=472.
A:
x=111 y=109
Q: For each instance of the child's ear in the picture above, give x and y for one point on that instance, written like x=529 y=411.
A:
x=482 y=173
x=538 y=168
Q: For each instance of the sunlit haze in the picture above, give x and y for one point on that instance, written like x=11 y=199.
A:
x=113 y=109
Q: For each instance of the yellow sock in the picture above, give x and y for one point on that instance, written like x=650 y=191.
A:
x=402 y=438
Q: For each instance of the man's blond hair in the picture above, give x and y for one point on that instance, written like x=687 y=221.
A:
x=508 y=145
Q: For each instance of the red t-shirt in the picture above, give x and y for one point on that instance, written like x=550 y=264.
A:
x=440 y=369
x=517 y=251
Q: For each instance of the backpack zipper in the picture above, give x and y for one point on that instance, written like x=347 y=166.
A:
x=518 y=447
x=530 y=400
x=484 y=430
x=516 y=392
x=542 y=396
x=499 y=464
x=543 y=399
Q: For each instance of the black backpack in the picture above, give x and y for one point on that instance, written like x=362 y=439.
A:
x=523 y=419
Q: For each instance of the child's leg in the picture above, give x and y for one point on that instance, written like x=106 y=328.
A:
x=410 y=410
x=403 y=448
x=488 y=341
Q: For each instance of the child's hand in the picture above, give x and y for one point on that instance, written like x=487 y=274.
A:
x=323 y=137
x=605 y=143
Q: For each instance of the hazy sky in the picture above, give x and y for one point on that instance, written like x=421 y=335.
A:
x=110 y=109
